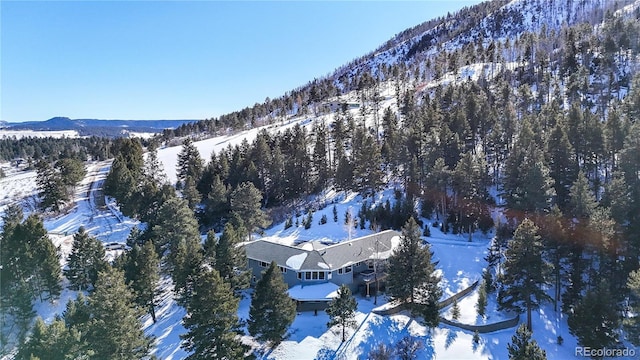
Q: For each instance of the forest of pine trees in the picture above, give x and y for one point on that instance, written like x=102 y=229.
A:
x=561 y=161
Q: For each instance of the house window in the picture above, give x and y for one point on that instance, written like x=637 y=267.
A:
x=314 y=275
x=264 y=264
x=340 y=271
x=359 y=263
x=307 y=275
x=348 y=269
x=321 y=275
x=299 y=276
x=370 y=265
x=282 y=269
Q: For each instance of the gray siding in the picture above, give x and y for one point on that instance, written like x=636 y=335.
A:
x=290 y=276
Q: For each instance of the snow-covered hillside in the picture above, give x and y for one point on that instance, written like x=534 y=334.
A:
x=460 y=263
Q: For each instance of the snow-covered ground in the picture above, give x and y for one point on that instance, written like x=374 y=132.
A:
x=19 y=134
x=17 y=186
x=460 y=263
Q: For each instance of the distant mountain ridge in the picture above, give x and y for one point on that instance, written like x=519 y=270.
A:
x=97 y=127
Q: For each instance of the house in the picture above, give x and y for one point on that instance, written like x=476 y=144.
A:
x=353 y=262
x=334 y=106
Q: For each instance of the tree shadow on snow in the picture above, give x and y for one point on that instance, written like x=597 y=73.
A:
x=384 y=330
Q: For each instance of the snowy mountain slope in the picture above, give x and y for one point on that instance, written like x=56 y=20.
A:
x=482 y=24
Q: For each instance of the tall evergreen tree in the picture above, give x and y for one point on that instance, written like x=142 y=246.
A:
x=212 y=322
x=367 y=167
x=245 y=202
x=562 y=164
x=190 y=163
x=53 y=193
x=231 y=259
x=594 y=320
x=342 y=310
x=527 y=184
x=272 y=310
x=190 y=192
x=470 y=184
x=53 y=341
x=86 y=259
x=71 y=171
x=114 y=330
x=632 y=323
x=522 y=347
x=176 y=235
x=320 y=160
x=142 y=272
x=412 y=279
x=581 y=200
x=525 y=272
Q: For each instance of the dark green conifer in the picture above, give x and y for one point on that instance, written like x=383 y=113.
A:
x=412 y=279
x=272 y=310
x=522 y=347
x=85 y=261
x=212 y=322
x=342 y=310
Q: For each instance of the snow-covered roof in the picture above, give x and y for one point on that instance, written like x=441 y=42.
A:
x=332 y=257
x=314 y=292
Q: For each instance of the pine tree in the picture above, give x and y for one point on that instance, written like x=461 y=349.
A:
x=412 y=279
x=522 y=347
x=320 y=160
x=470 y=184
x=20 y=298
x=190 y=192
x=145 y=276
x=367 y=167
x=231 y=259
x=115 y=331
x=527 y=183
x=216 y=204
x=245 y=202
x=594 y=320
x=190 y=163
x=71 y=172
x=308 y=221
x=632 y=323
x=31 y=266
x=212 y=322
x=390 y=140
x=53 y=341
x=562 y=164
x=51 y=185
x=342 y=310
x=581 y=200
x=525 y=272
x=272 y=310
x=481 y=305
x=335 y=214
x=455 y=310
x=152 y=168
x=49 y=272
x=176 y=235
x=85 y=261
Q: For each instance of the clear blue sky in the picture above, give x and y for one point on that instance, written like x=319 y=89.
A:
x=181 y=60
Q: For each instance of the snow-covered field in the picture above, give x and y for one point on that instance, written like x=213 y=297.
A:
x=19 y=134
x=17 y=186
